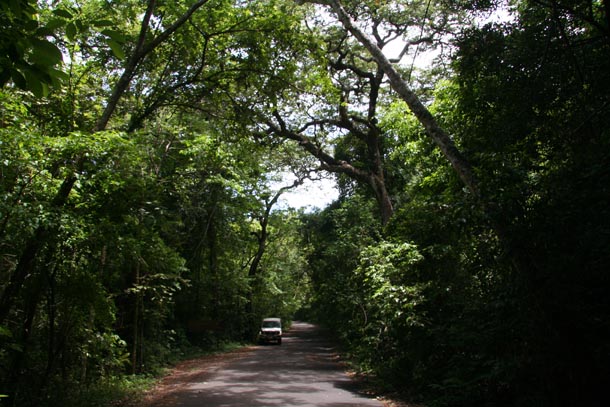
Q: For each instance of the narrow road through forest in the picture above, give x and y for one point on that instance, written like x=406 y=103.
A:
x=303 y=371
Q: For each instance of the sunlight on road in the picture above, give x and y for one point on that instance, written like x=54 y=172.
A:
x=304 y=371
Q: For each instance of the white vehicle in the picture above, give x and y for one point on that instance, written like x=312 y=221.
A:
x=271 y=331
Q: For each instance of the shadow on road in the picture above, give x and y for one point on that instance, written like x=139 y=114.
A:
x=303 y=371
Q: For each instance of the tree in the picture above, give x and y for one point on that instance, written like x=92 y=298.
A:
x=95 y=217
x=539 y=75
x=491 y=312
x=375 y=47
x=32 y=247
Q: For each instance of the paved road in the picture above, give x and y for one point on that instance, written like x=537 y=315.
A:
x=303 y=372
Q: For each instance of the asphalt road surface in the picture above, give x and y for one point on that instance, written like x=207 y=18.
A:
x=303 y=371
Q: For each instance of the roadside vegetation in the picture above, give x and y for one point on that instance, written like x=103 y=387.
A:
x=145 y=148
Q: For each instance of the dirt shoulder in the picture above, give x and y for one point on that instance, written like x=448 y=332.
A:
x=185 y=373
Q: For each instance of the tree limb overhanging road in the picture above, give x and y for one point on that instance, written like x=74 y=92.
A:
x=303 y=371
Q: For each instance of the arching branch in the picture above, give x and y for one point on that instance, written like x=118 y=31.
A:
x=459 y=163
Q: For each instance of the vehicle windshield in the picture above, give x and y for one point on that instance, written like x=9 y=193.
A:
x=272 y=324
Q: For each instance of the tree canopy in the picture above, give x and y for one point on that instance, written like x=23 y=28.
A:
x=145 y=147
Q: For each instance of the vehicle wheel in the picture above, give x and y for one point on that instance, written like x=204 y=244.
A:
x=279 y=341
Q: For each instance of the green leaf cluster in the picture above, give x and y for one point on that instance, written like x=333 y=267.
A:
x=126 y=242
x=501 y=283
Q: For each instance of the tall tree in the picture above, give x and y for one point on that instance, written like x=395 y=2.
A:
x=141 y=49
x=375 y=44
x=528 y=104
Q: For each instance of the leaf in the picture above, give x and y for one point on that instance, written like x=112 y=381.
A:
x=115 y=36
x=55 y=23
x=18 y=79
x=62 y=13
x=34 y=84
x=31 y=25
x=57 y=75
x=71 y=31
x=44 y=31
x=4 y=331
x=116 y=48
x=45 y=53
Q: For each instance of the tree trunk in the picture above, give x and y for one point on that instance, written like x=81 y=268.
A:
x=136 y=321
x=212 y=237
x=400 y=86
x=383 y=198
x=18 y=357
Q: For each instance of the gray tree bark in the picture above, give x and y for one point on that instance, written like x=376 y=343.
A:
x=459 y=163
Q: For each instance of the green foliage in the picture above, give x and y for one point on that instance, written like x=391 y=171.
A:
x=32 y=46
x=122 y=249
x=512 y=293
x=27 y=57
x=78 y=282
x=391 y=310
x=337 y=238
x=543 y=171
x=283 y=286
x=139 y=239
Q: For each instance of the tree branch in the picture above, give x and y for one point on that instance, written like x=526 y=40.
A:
x=139 y=52
x=400 y=86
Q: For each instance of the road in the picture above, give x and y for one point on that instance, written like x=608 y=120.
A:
x=304 y=371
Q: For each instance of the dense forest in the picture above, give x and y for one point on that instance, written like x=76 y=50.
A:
x=145 y=147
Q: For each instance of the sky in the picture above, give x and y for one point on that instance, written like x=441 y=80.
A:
x=310 y=195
